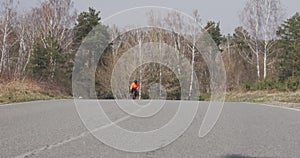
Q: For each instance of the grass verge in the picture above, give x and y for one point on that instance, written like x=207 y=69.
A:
x=28 y=90
x=286 y=99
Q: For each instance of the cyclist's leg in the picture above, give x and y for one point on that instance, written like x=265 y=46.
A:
x=134 y=93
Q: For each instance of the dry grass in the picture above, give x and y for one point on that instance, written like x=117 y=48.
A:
x=30 y=90
x=27 y=90
x=287 y=99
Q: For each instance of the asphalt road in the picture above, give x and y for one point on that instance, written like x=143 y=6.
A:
x=54 y=129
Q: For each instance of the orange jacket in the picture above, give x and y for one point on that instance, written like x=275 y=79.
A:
x=134 y=86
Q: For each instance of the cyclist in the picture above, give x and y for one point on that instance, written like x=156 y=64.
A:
x=134 y=89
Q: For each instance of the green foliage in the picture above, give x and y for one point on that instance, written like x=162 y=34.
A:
x=263 y=85
x=215 y=32
x=289 y=60
x=204 y=96
x=91 y=39
x=46 y=60
x=292 y=85
x=240 y=42
x=288 y=85
x=86 y=21
x=40 y=62
x=247 y=86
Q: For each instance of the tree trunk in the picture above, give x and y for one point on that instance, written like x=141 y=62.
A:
x=3 y=61
x=193 y=63
x=257 y=67
x=265 y=62
x=192 y=73
x=160 y=71
x=140 y=69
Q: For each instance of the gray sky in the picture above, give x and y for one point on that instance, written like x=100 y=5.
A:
x=225 y=11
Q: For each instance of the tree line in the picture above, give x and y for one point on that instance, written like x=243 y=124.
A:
x=262 y=53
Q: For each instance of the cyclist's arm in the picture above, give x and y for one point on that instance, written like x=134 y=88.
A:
x=131 y=87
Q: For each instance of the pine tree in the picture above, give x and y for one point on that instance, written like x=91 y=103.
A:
x=289 y=60
x=91 y=41
x=86 y=21
x=215 y=32
x=46 y=61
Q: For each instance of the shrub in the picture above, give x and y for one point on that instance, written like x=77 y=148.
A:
x=247 y=86
x=288 y=85
x=291 y=84
x=204 y=97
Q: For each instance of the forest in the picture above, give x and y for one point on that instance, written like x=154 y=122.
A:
x=38 y=50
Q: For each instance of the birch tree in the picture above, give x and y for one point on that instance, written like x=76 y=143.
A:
x=7 y=17
x=25 y=31
x=117 y=40
x=55 y=19
x=250 y=18
x=157 y=21
x=194 y=32
x=174 y=21
x=140 y=38
x=260 y=19
x=272 y=17
x=29 y=24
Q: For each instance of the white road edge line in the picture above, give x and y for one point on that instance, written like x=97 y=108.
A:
x=263 y=104
x=274 y=106
x=37 y=101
